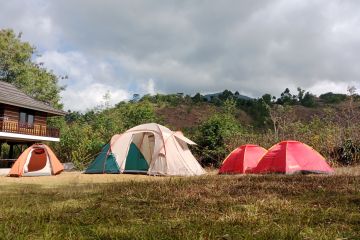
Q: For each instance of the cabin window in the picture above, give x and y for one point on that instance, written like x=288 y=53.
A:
x=27 y=119
x=22 y=117
x=30 y=120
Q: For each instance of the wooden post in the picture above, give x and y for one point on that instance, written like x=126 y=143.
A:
x=11 y=151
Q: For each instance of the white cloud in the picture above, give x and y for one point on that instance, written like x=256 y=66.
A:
x=241 y=45
x=87 y=81
x=328 y=86
x=33 y=20
x=92 y=95
x=254 y=47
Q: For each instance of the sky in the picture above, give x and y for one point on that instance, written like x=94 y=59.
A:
x=169 y=46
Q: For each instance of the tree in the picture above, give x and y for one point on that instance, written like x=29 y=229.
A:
x=280 y=116
x=211 y=137
x=17 y=67
x=350 y=114
x=229 y=106
x=301 y=93
x=135 y=114
x=333 y=97
x=275 y=113
x=286 y=98
x=226 y=95
x=73 y=116
x=258 y=109
x=267 y=98
x=308 y=100
x=107 y=100
x=197 y=98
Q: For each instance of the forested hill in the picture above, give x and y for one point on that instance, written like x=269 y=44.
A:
x=329 y=123
x=183 y=112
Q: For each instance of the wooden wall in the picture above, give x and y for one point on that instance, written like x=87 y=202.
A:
x=12 y=113
x=1 y=111
x=40 y=118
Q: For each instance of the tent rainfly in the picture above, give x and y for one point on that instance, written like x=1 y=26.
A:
x=37 y=160
x=148 y=148
x=241 y=159
x=292 y=157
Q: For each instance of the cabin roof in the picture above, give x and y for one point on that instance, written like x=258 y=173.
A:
x=11 y=95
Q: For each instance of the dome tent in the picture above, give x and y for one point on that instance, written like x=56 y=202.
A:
x=37 y=160
x=241 y=159
x=292 y=157
x=105 y=162
x=148 y=148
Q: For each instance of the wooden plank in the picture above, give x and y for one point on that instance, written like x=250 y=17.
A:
x=41 y=120
x=11 y=113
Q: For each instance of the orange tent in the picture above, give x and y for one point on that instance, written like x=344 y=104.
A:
x=37 y=160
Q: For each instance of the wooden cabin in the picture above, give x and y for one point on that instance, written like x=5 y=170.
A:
x=23 y=120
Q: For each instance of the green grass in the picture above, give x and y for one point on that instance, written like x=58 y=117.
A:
x=211 y=207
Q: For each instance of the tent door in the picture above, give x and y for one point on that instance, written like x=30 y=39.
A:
x=37 y=164
x=135 y=161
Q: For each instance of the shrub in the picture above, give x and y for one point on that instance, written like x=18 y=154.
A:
x=212 y=135
x=333 y=97
x=79 y=144
x=348 y=153
x=308 y=100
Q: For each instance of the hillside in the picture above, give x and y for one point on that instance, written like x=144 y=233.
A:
x=190 y=115
x=187 y=116
x=220 y=125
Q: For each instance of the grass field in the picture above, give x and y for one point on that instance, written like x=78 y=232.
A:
x=74 y=206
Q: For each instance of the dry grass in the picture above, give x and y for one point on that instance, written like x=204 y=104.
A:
x=207 y=207
x=349 y=171
x=68 y=178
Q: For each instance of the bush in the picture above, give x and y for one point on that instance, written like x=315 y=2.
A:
x=308 y=100
x=348 y=153
x=79 y=144
x=212 y=135
x=333 y=97
x=133 y=114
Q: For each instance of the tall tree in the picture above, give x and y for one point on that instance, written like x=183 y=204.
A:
x=17 y=67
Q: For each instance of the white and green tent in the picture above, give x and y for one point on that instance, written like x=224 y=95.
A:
x=148 y=148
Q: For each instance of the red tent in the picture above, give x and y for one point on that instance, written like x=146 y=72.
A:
x=290 y=157
x=242 y=158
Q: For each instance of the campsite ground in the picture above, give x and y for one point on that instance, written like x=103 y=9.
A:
x=76 y=206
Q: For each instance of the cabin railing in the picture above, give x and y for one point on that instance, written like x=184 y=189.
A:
x=35 y=130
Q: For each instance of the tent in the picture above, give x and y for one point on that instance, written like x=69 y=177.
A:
x=37 y=160
x=292 y=157
x=149 y=148
x=242 y=158
x=105 y=161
